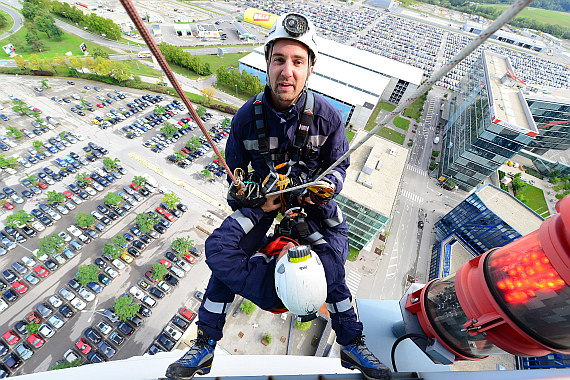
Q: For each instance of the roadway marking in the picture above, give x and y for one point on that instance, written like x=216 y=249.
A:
x=353 y=281
x=417 y=170
x=412 y=196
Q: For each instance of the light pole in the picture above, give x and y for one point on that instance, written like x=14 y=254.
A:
x=236 y=90
x=27 y=249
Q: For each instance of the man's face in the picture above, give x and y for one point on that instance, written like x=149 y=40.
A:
x=288 y=67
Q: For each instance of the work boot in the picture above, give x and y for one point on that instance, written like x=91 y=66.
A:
x=357 y=356
x=198 y=359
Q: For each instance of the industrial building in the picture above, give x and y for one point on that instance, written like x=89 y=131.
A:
x=207 y=31
x=183 y=30
x=508 y=37
x=353 y=80
x=490 y=122
x=369 y=190
x=242 y=32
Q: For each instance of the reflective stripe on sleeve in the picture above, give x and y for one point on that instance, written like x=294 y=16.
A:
x=216 y=307
x=335 y=220
x=339 y=307
x=245 y=223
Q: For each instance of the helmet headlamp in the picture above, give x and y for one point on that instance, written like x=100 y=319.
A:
x=295 y=25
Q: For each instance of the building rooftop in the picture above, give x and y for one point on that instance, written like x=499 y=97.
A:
x=384 y=178
x=510 y=209
x=207 y=27
x=506 y=102
x=547 y=93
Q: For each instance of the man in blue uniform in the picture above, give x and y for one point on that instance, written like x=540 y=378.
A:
x=288 y=125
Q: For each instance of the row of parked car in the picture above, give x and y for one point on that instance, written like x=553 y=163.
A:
x=172 y=332
x=146 y=123
x=217 y=132
x=134 y=107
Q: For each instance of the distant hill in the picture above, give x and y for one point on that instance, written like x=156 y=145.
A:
x=553 y=5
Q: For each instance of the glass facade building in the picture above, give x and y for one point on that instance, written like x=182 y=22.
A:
x=476 y=226
x=475 y=143
x=552 y=117
x=363 y=223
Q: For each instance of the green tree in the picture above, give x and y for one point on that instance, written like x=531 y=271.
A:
x=84 y=220
x=84 y=178
x=51 y=244
x=168 y=129
x=206 y=173
x=34 y=41
x=267 y=338
x=87 y=273
x=44 y=23
x=98 y=52
x=248 y=307
x=20 y=107
x=125 y=307
x=54 y=196
x=32 y=328
x=193 y=143
x=119 y=240
x=44 y=84
x=112 y=250
x=303 y=326
x=33 y=179
x=170 y=200
x=14 y=132
x=10 y=162
x=201 y=111
x=179 y=156
x=145 y=222
x=18 y=219
x=139 y=180
x=110 y=163
x=182 y=245
x=37 y=144
x=159 y=109
x=113 y=199
x=63 y=364
x=517 y=182
x=435 y=153
x=158 y=271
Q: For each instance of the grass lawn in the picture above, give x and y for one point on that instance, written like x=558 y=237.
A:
x=143 y=69
x=414 y=111
x=353 y=254
x=401 y=123
x=230 y=59
x=391 y=135
x=386 y=106
x=349 y=135
x=371 y=123
x=544 y=16
x=534 y=199
x=8 y=24
x=68 y=42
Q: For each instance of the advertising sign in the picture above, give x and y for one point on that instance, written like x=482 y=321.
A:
x=259 y=17
x=9 y=49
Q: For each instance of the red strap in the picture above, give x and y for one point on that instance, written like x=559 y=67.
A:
x=275 y=247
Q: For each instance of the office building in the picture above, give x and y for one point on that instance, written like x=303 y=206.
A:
x=490 y=122
x=488 y=218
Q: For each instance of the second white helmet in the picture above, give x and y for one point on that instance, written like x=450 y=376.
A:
x=293 y=26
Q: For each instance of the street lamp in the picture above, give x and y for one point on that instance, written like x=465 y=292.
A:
x=236 y=91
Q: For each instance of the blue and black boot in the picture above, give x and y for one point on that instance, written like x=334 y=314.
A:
x=357 y=356
x=197 y=360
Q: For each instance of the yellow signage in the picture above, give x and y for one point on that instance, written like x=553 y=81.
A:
x=260 y=17
x=441 y=178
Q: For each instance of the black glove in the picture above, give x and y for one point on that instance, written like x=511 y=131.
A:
x=248 y=192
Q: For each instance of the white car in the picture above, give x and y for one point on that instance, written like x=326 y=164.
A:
x=136 y=292
x=104 y=327
x=177 y=271
x=38 y=226
x=118 y=264
x=55 y=301
x=52 y=214
x=78 y=304
x=70 y=355
x=172 y=332
x=76 y=199
x=97 y=186
x=69 y=205
x=162 y=285
x=86 y=294
x=96 y=215
x=43 y=257
x=64 y=236
x=46 y=331
x=74 y=230
x=149 y=301
x=75 y=96
x=111 y=272
x=89 y=190
x=28 y=261
x=16 y=198
x=66 y=293
x=3 y=305
x=184 y=265
x=56 y=321
x=62 y=210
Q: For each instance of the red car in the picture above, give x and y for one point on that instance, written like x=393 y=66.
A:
x=160 y=210
x=166 y=262
x=169 y=216
x=36 y=110
x=20 y=287
x=181 y=123
x=41 y=271
x=36 y=341
x=185 y=150
x=83 y=346
x=187 y=314
x=189 y=258
x=100 y=105
x=32 y=317
x=148 y=275
x=43 y=185
x=8 y=206
x=135 y=186
x=11 y=337
x=68 y=194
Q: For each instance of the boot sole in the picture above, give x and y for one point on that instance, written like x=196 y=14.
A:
x=201 y=371
x=352 y=367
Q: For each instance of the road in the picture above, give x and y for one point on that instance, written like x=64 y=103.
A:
x=16 y=16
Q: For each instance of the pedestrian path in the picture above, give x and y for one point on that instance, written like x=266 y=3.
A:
x=412 y=196
x=417 y=170
x=353 y=281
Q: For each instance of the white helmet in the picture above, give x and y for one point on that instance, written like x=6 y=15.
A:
x=293 y=26
x=300 y=282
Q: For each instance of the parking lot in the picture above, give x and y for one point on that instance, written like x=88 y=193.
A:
x=200 y=214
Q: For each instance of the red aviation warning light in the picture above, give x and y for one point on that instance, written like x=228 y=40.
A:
x=515 y=299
